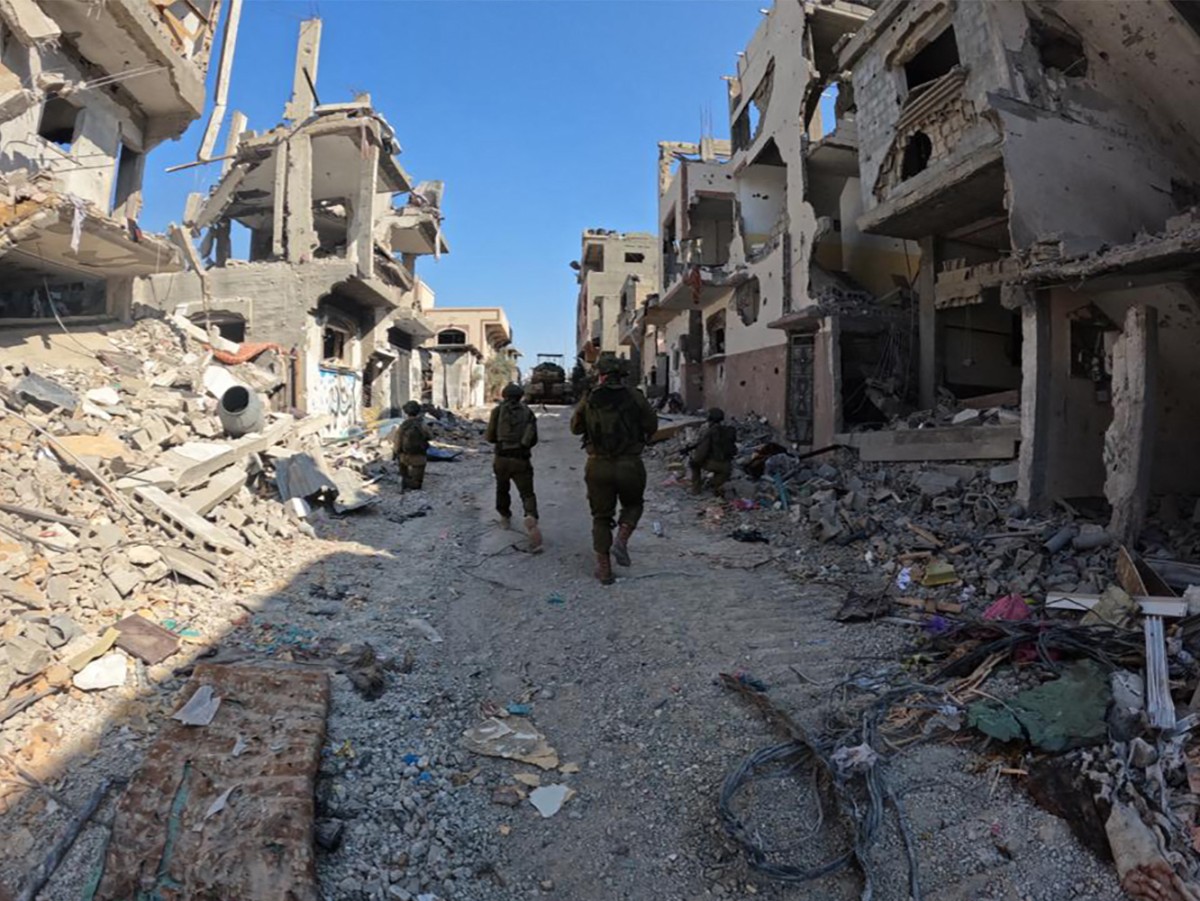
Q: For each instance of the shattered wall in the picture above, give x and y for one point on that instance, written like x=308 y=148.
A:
x=1101 y=148
x=1081 y=410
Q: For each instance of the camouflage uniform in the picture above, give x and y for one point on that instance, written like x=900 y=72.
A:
x=615 y=422
x=410 y=435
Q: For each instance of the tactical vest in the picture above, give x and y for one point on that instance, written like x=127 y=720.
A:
x=412 y=440
x=612 y=422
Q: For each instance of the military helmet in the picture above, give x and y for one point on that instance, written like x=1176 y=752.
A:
x=716 y=414
x=512 y=391
x=609 y=364
x=412 y=408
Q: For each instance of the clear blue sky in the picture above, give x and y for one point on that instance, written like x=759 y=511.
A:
x=542 y=118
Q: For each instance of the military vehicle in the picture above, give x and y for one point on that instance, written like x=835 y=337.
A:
x=547 y=382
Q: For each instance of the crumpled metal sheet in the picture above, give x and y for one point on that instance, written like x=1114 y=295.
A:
x=172 y=840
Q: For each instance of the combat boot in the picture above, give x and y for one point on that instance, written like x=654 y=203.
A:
x=604 y=569
x=620 y=548
x=535 y=534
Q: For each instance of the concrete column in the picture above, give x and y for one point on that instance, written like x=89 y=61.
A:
x=308 y=50
x=360 y=236
x=1035 y=401
x=926 y=325
x=1129 y=441
x=301 y=233
x=279 y=209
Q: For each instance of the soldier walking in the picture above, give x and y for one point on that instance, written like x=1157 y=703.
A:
x=714 y=453
x=615 y=422
x=411 y=443
x=512 y=428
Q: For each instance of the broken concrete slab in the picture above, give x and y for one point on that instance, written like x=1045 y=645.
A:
x=221 y=488
x=26 y=656
x=1005 y=474
x=275 y=433
x=45 y=394
x=933 y=483
x=99 y=675
x=298 y=475
x=180 y=517
x=916 y=445
x=162 y=835
x=189 y=565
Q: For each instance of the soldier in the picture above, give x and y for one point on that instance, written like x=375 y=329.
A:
x=512 y=428
x=714 y=453
x=411 y=442
x=615 y=422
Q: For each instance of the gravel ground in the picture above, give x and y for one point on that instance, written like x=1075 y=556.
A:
x=621 y=680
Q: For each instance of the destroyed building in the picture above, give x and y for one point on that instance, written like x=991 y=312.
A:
x=1037 y=154
x=86 y=91
x=466 y=344
x=613 y=267
x=770 y=299
x=304 y=247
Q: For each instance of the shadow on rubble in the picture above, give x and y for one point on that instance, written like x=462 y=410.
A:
x=267 y=649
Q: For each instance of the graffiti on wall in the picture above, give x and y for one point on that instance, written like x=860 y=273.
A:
x=338 y=393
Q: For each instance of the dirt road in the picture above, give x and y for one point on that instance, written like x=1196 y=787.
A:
x=622 y=680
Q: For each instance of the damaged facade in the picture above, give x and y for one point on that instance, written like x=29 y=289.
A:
x=770 y=300
x=87 y=89
x=1033 y=152
x=324 y=261
x=468 y=344
x=615 y=271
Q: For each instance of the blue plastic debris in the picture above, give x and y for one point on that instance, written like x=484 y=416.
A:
x=411 y=759
x=519 y=709
x=556 y=599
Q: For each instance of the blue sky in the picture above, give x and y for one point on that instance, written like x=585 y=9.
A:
x=542 y=118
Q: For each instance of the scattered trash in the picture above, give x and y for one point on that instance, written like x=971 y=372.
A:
x=512 y=739
x=519 y=709
x=904 y=579
x=107 y=672
x=549 y=799
x=749 y=535
x=657 y=528
x=200 y=709
x=424 y=627
x=556 y=599
x=1068 y=712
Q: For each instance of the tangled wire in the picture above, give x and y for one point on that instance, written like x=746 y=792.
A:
x=849 y=776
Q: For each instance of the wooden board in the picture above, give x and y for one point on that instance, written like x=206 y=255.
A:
x=1151 y=606
x=259 y=847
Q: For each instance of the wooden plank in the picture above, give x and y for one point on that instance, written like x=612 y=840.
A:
x=166 y=843
x=1159 y=706
x=1128 y=576
x=1151 y=606
x=276 y=433
x=188 y=521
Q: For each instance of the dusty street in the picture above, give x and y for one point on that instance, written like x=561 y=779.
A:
x=622 y=682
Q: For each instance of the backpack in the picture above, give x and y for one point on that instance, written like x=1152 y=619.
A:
x=612 y=422
x=516 y=427
x=724 y=443
x=412 y=441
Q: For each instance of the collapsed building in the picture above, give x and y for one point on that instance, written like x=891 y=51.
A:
x=770 y=299
x=1051 y=182
x=303 y=247
x=86 y=91
x=615 y=271
x=470 y=357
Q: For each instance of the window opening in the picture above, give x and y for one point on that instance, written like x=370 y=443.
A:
x=917 y=152
x=128 y=181
x=334 y=344
x=1058 y=49
x=716 y=333
x=937 y=59
x=635 y=258
x=58 y=122
x=452 y=336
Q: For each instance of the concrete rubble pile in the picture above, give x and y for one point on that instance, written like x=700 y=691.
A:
x=121 y=495
x=1079 y=658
